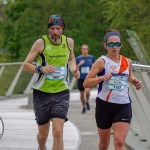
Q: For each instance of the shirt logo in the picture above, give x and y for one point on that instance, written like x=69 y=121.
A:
x=64 y=46
x=48 y=47
x=113 y=68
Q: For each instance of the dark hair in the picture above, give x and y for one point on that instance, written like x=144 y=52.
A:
x=111 y=32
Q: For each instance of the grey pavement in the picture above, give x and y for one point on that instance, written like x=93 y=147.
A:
x=80 y=132
x=21 y=129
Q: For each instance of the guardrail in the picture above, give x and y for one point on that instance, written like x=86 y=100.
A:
x=141 y=107
x=11 y=75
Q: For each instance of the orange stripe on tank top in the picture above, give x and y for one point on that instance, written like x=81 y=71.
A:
x=123 y=67
x=108 y=95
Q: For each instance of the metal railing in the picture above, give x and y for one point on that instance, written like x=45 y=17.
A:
x=141 y=104
x=1 y=127
x=12 y=76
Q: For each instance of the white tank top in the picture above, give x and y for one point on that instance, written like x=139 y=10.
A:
x=115 y=90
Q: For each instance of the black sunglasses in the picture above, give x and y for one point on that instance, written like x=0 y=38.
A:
x=111 y=44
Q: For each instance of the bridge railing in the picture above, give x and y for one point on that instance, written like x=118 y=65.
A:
x=141 y=104
x=14 y=81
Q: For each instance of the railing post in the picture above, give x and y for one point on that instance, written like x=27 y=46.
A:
x=72 y=83
x=28 y=88
x=140 y=115
x=30 y=100
x=136 y=128
x=13 y=84
x=1 y=70
x=146 y=79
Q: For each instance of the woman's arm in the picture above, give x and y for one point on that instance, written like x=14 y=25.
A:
x=137 y=83
x=91 y=79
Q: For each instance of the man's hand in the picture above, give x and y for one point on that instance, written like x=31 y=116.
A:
x=76 y=73
x=82 y=62
x=48 y=69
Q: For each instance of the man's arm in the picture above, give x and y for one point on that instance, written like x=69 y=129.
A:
x=35 y=51
x=72 y=62
x=80 y=63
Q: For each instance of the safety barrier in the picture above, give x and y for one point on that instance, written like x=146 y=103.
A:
x=12 y=79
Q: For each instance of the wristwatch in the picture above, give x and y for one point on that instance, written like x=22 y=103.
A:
x=39 y=69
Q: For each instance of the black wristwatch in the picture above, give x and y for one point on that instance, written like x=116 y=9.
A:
x=39 y=69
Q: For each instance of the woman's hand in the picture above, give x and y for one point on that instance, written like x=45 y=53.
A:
x=106 y=77
x=137 y=83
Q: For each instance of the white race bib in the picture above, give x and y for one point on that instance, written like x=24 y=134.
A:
x=85 y=69
x=59 y=74
x=118 y=82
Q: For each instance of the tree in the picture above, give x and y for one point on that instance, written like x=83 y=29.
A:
x=133 y=15
x=25 y=21
x=86 y=22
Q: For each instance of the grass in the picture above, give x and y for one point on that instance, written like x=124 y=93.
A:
x=8 y=76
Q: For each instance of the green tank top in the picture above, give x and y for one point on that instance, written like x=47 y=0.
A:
x=57 y=55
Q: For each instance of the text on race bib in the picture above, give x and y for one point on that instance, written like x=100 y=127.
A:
x=118 y=82
x=59 y=74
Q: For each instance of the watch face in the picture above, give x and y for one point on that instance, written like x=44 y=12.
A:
x=39 y=69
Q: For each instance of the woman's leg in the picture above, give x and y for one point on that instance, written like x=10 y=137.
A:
x=120 y=133
x=104 y=136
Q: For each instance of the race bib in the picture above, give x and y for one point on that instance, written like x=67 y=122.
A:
x=59 y=74
x=118 y=82
x=85 y=69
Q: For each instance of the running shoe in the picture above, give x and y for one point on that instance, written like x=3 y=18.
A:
x=84 y=110
x=88 y=106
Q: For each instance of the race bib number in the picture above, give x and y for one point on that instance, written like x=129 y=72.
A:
x=118 y=82
x=85 y=69
x=59 y=74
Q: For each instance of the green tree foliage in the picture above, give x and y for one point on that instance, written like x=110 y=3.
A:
x=129 y=14
x=20 y=27
x=25 y=21
x=86 y=22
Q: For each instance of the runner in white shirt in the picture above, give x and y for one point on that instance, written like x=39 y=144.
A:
x=113 y=104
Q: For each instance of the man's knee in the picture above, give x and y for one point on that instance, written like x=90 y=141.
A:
x=42 y=136
x=82 y=95
x=87 y=91
x=43 y=132
x=57 y=133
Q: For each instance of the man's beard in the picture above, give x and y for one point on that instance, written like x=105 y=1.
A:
x=55 y=37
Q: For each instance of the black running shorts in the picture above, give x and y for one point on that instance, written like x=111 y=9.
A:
x=50 y=105
x=80 y=84
x=108 y=113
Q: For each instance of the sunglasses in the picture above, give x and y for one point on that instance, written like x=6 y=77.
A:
x=111 y=44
